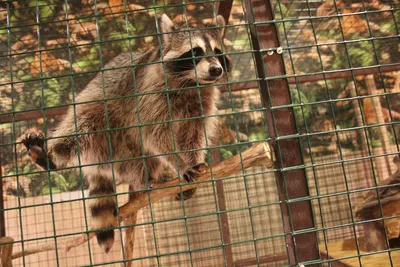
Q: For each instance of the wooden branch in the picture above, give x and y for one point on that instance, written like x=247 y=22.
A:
x=364 y=209
x=6 y=251
x=129 y=243
x=258 y=155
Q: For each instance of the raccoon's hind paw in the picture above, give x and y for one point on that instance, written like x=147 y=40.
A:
x=189 y=177
x=34 y=143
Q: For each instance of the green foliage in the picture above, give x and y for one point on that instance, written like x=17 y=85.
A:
x=42 y=184
x=225 y=153
x=54 y=91
x=257 y=134
x=361 y=53
x=65 y=183
x=306 y=115
x=26 y=67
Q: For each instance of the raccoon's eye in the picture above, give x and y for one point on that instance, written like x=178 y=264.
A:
x=198 y=52
x=217 y=51
x=187 y=60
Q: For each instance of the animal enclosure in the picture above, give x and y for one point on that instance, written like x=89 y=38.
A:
x=316 y=81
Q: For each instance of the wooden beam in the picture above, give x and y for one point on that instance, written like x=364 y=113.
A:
x=382 y=162
x=320 y=77
x=33 y=115
x=240 y=86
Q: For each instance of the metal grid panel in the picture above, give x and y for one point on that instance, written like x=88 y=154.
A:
x=341 y=62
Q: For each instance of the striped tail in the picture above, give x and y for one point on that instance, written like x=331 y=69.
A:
x=103 y=210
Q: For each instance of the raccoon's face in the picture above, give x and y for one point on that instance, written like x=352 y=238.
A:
x=195 y=56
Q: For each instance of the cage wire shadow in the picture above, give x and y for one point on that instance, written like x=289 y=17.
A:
x=318 y=80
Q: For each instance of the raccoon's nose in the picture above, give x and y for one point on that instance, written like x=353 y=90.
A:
x=215 y=71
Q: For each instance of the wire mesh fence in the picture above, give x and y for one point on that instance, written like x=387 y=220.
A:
x=318 y=80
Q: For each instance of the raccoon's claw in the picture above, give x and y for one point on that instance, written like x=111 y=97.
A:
x=34 y=143
x=33 y=139
x=189 y=176
x=186 y=194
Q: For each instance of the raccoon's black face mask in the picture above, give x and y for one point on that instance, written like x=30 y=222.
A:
x=196 y=55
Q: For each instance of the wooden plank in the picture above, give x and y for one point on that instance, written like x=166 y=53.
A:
x=262 y=259
x=281 y=122
x=346 y=254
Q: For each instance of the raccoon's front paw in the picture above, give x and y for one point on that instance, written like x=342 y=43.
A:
x=189 y=177
x=34 y=143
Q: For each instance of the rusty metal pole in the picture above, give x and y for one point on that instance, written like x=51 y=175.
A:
x=2 y=217
x=275 y=92
x=224 y=9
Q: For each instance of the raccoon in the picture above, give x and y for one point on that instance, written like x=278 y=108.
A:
x=137 y=112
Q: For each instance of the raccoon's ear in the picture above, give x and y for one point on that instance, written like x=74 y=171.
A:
x=219 y=21
x=166 y=26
